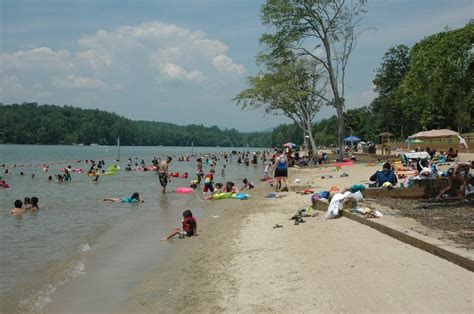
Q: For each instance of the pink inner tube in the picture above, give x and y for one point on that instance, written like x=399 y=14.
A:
x=184 y=190
x=343 y=164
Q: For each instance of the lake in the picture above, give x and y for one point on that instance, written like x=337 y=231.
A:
x=41 y=252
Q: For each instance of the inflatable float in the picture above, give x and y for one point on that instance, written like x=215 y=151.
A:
x=184 y=190
x=240 y=196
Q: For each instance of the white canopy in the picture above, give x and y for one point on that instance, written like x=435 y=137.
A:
x=434 y=134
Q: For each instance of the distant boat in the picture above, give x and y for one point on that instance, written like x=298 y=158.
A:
x=94 y=144
x=80 y=144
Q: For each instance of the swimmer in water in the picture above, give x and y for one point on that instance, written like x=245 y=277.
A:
x=18 y=210
x=34 y=204
x=135 y=198
x=27 y=203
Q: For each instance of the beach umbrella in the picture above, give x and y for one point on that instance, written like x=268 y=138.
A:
x=290 y=145
x=352 y=139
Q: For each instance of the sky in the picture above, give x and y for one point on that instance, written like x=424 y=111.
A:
x=179 y=61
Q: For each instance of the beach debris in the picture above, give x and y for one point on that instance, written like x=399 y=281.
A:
x=373 y=214
x=277 y=226
x=357 y=187
x=214 y=216
x=274 y=195
x=297 y=180
x=334 y=189
x=338 y=200
x=306 y=192
x=360 y=210
x=304 y=212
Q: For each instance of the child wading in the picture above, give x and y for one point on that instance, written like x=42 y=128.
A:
x=208 y=182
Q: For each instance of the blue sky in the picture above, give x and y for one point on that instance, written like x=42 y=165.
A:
x=178 y=61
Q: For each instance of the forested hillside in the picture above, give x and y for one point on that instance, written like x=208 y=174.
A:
x=30 y=123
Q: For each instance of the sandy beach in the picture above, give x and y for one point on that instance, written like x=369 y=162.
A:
x=240 y=263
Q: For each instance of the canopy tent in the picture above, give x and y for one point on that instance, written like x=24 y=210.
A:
x=352 y=139
x=433 y=134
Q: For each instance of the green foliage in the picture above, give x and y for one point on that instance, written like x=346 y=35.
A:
x=30 y=123
x=437 y=90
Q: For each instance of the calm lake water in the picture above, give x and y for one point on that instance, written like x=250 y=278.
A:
x=41 y=252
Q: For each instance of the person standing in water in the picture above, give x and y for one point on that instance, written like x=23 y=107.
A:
x=163 y=172
x=199 y=171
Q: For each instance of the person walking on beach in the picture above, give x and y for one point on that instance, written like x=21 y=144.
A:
x=281 y=170
x=188 y=226
x=163 y=172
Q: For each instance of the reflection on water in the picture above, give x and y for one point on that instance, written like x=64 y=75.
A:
x=41 y=251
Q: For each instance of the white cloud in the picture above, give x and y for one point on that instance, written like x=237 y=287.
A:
x=93 y=59
x=10 y=86
x=226 y=64
x=175 y=72
x=72 y=81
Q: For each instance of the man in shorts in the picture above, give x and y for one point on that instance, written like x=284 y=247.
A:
x=163 y=172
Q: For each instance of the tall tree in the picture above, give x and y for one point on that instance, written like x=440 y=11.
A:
x=324 y=30
x=387 y=111
x=293 y=89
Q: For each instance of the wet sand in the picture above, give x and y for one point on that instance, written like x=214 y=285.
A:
x=240 y=263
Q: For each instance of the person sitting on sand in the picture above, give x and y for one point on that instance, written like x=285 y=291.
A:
x=247 y=185
x=188 y=226
x=18 y=210
x=135 y=198
x=455 y=183
x=386 y=175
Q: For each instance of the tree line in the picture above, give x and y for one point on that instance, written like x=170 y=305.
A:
x=30 y=123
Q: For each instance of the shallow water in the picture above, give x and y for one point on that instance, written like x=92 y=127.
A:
x=41 y=252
